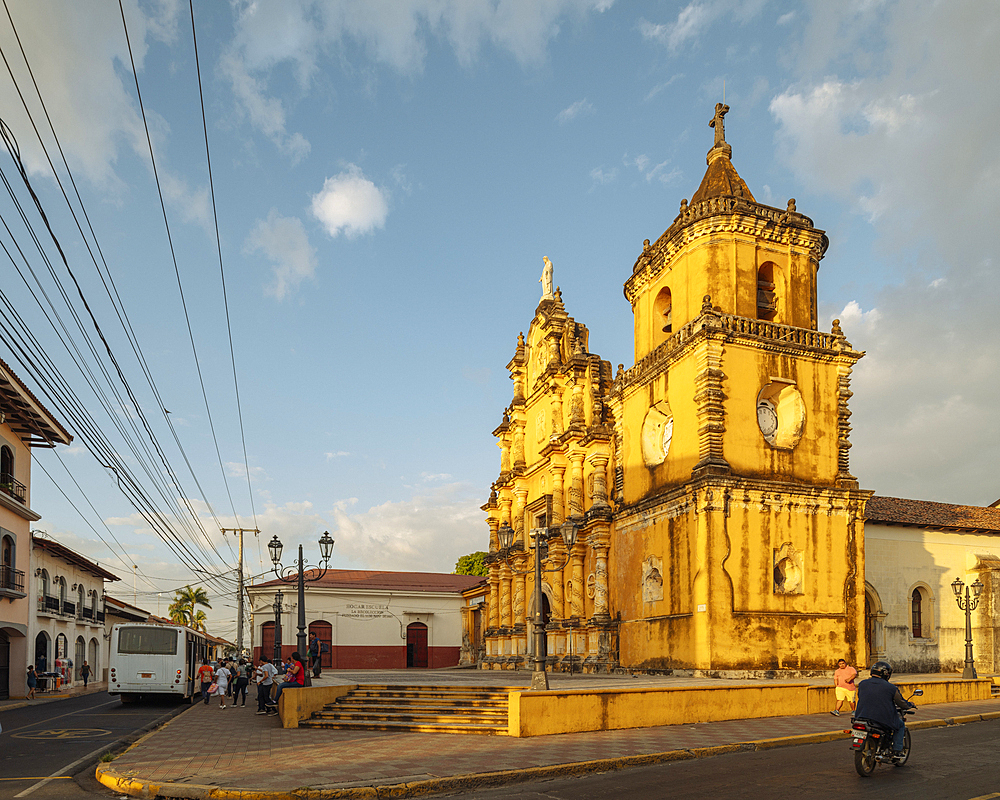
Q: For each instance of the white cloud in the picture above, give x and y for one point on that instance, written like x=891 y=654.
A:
x=284 y=242
x=661 y=86
x=237 y=469
x=584 y=107
x=906 y=145
x=427 y=533
x=338 y=454
x=350 y=203
x=302 y=33
x=79 y=58
x=657 y=172
x=600 y=176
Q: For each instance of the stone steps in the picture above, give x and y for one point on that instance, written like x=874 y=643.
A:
x=426 y=709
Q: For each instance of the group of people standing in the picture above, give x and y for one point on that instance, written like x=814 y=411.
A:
x=232 y=680
x=32 y=677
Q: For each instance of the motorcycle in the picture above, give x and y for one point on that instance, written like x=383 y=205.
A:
x=872 y=742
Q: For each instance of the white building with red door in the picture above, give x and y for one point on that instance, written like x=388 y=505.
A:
x=368 y=619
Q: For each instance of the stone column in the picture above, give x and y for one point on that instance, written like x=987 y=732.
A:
x=600 y=545
x=505 y=502
x=557 y=410
x=520 y=497
x=518 y=618
x=576 y=559
x=494 y=524
x=504 y=445
x=557 y=555
x=600 y=463
x=519 y=440
x=494 y=599
x=576 y=484
x=576 y=413
x=505 y=607
x=558 y=501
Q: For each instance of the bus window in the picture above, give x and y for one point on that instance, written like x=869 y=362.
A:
x=148 y=641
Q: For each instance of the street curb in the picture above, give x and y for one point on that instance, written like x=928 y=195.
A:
x=137 y=787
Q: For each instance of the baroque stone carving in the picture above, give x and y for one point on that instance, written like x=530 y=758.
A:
x=652 y=579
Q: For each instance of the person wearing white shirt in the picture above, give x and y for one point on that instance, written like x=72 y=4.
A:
x=222 y=676
x=264 y=677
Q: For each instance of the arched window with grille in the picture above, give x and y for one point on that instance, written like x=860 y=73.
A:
x=921 y=612
x=916 y=614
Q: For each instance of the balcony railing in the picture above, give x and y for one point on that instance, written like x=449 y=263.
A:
x=16 y=489
x=68 y=608
x=100 y=617
x=86 y=613
x=11 y=579
x=48 y=604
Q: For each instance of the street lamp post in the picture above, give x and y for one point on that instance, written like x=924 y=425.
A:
x=569 y=530
x=297 y=573
x=276 y=605
x=968 y=605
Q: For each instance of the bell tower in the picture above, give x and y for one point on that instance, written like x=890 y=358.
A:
x=732 y=485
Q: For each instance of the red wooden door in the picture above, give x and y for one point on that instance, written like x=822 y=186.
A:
x=416 y=645
x=324 y=632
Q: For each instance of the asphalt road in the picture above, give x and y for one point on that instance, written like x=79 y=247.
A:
x=955 y=763
x=43 y=747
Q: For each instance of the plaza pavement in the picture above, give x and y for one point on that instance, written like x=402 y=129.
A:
x=234 y=753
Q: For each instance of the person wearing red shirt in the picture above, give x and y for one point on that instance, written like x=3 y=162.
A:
x=294 y=678
x=205 y=675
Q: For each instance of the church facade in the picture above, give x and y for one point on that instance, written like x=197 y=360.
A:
x=696 y=511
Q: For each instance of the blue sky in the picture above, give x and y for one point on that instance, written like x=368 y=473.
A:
x=388 y=177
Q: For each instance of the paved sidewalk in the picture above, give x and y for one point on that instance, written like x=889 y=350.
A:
x=205 y=750
x=48 y=697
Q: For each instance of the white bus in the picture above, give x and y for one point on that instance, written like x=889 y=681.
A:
x=148 y=659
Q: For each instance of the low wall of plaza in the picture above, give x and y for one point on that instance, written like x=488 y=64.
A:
x=537 y=713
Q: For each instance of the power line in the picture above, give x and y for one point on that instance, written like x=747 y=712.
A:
x=173 y=256
x=222 y=272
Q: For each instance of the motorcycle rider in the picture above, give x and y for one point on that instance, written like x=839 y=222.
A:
x=878 y=700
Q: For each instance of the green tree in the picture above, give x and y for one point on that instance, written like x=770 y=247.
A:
x=182 y=609
x=472 y=564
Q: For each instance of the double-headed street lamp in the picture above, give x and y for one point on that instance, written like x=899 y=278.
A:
x=968 y=605
x=505 y=535
x=297 y=573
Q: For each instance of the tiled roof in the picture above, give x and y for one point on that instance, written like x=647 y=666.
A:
x=122 y=605
x=72 y=557
x=925 y=514
x=385 y=581
x=25 y=415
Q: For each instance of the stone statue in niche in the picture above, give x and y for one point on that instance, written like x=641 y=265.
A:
x=652 y=580
x=788 y=570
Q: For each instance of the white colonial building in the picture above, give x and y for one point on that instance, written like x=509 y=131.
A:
x=67 y=627
x=914 y=552
x=370 y=619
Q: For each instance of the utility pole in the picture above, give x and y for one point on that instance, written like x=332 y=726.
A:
x=239 y=584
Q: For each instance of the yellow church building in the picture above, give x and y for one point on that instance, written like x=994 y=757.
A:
x=696 y=510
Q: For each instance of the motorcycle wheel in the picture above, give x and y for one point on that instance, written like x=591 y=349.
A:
x=864 y=759
x=900 y=760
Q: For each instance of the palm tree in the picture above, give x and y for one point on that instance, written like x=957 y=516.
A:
x=178 y=613
x=182 y=609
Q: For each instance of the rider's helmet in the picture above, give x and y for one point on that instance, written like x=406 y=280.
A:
x=882 y=669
